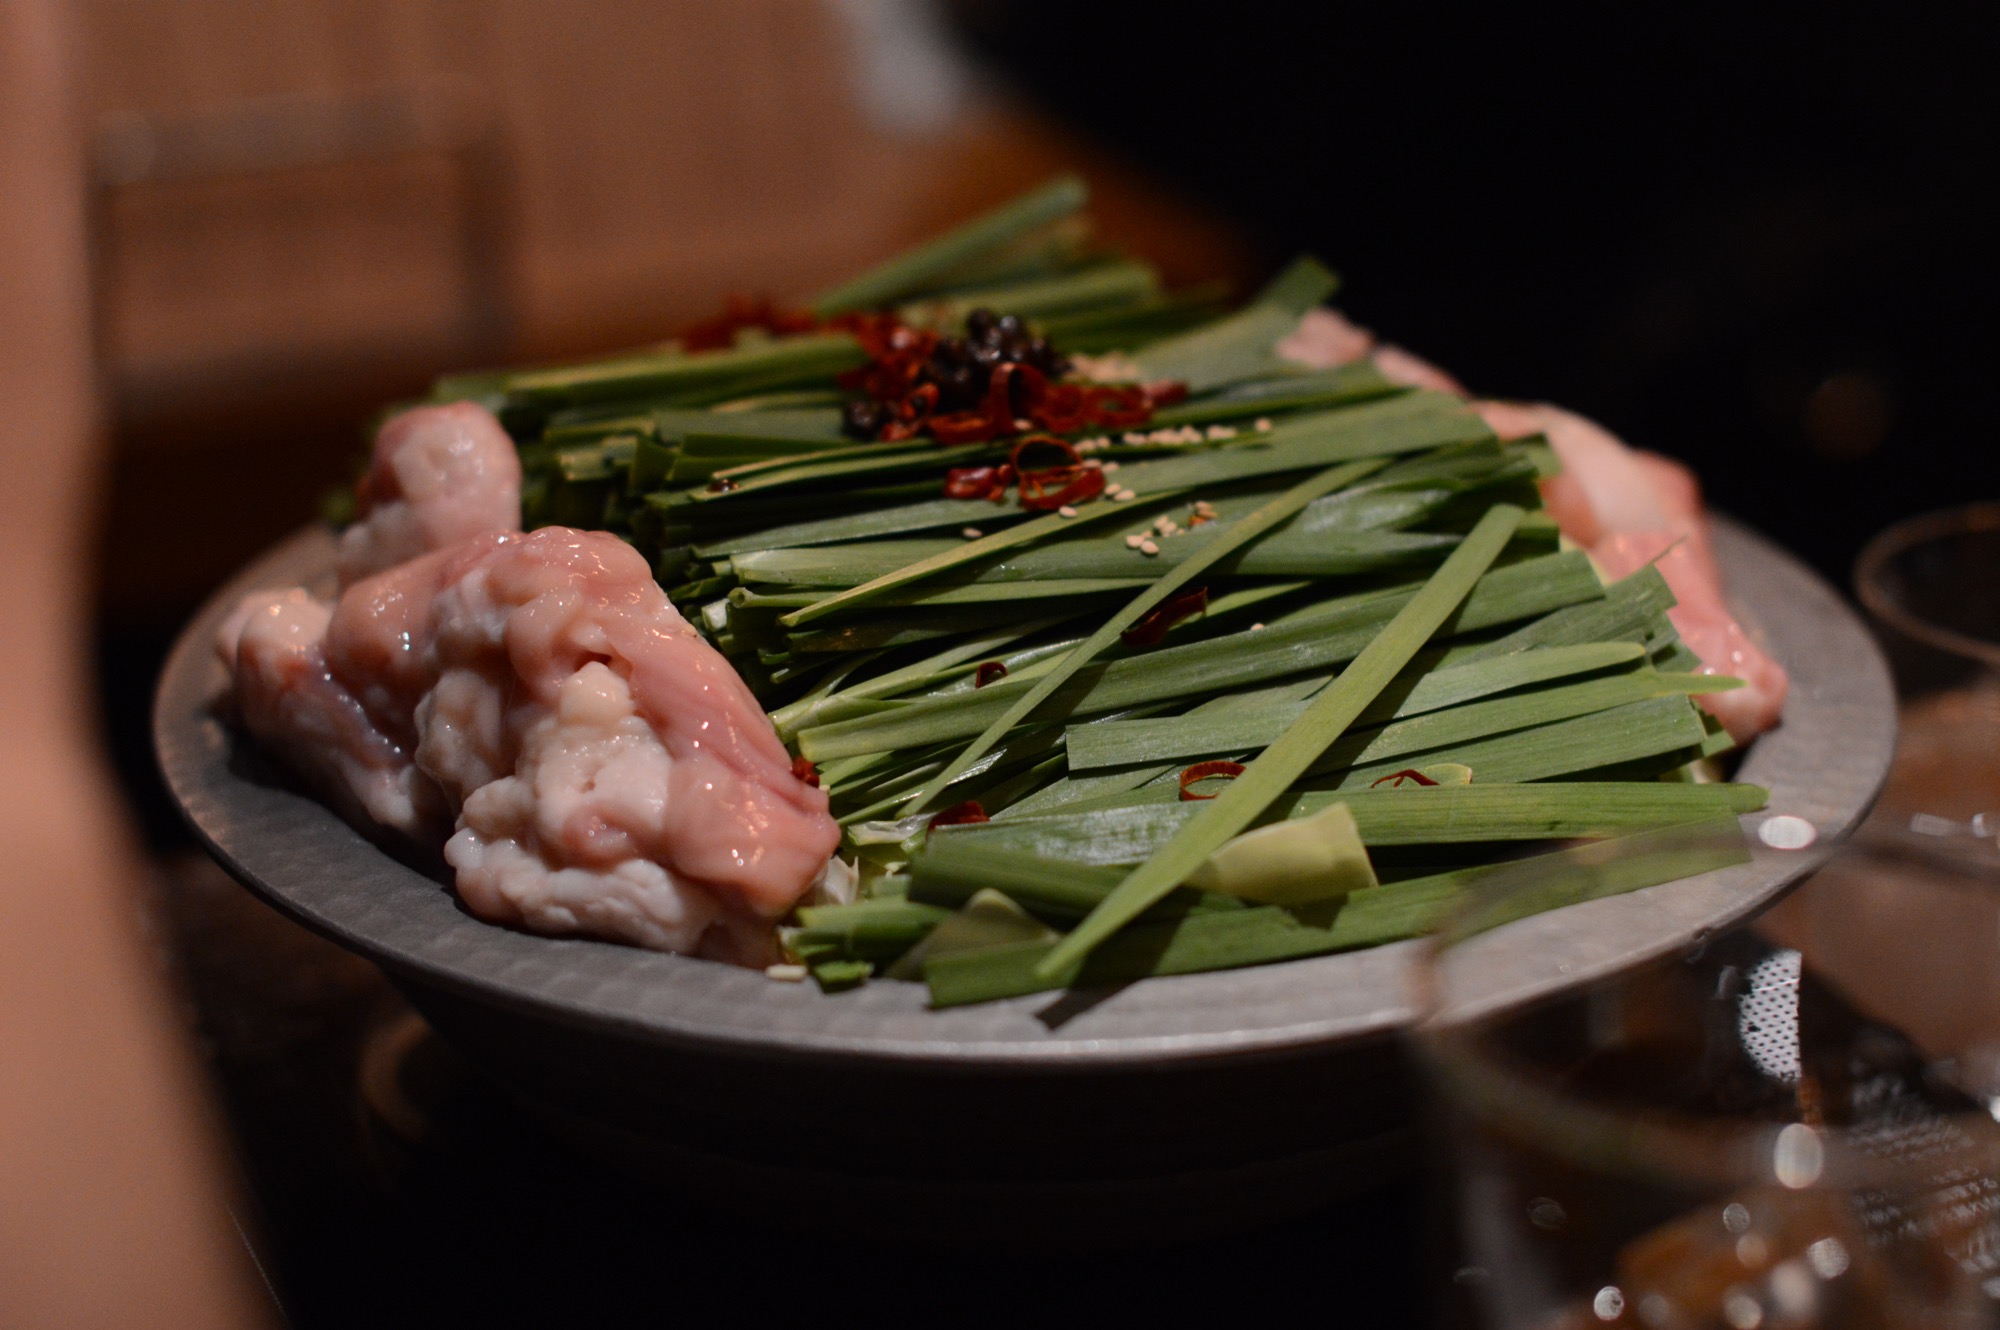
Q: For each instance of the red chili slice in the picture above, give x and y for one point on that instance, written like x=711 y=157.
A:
x=1064 y=408
x=988 y=671
x=960 y=815
x=1078 y=485
x=1014 y=391
x=1407 y=773
x=1151 y=628
x=899 y=373
x=1068 y=450
x=1120 y=406
x=1050 y=487
x=966 y=427
x=978 y=482
x=805 y=771
x=1201 y=771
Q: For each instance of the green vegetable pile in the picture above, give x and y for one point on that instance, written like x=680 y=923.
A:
x=1311 y=665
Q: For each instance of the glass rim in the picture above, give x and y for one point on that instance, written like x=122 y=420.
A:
x=1679 y=1151
x=1910 y=534
x=1658 y=1145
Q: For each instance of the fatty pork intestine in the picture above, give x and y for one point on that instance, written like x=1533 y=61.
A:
x=591 y=765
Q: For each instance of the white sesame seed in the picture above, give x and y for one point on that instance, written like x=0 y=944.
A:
x=790 y=974
x=1125 y=496
x=1256 y=627
x=1162 y=523
x=1134 y=542
x=1189 y=434
x=1109 y=467
x=1135 y=437
x=1022 y=423
x=972 y=533
x=1263 y=423
x=1221 y=432
x=1066 y=511
x=1148 y=548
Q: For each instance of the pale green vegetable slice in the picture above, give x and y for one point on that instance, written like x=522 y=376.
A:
x=1295 y=862
x=988 y=920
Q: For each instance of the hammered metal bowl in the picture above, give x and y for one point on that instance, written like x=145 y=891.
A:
x=1166 y=1107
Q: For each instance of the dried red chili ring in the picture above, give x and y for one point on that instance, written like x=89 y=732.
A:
x=1002 y=406
x=977 y=482
x=1064 y=408
x=1071 y=457
x=960 y=815
x=1151 y=628
x=1045 y=487
x=988 y=671
x=1083 y=483
x=805 y=771
x=1202 y=771
x=1407 y=773
x=1120 y=406
x=966 y=427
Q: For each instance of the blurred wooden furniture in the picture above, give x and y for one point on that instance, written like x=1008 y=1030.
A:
x=306 y=208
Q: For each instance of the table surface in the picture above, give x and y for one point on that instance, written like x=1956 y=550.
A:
x=435 y=1203
x=392 y=1186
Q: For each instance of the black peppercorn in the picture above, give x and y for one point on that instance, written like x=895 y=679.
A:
x=959 y=388
x=860 y=419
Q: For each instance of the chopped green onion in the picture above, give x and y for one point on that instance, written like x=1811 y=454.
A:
x=1284 y=761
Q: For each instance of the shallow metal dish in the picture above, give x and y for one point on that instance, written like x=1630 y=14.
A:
x=1174 y=1104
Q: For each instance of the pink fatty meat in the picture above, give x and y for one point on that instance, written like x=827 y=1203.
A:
x=437 y=475
x=598 y=768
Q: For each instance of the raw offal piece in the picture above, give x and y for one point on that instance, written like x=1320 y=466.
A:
x=611 y=774
x=1630 y=508
x=275 y=644
x=1325 y=339
x=439 y=475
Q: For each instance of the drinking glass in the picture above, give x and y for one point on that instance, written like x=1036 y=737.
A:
x=1794 y=1124
x=1725 y=1138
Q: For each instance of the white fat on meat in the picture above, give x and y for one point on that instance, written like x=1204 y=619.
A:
x=552 y=847
x=1625 y=506
x=600 y=769
x=437 y=475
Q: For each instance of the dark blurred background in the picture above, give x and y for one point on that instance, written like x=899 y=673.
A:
x=1759 y=238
